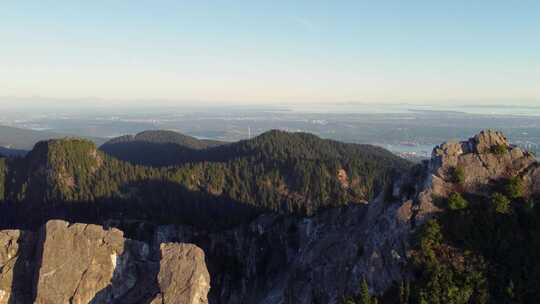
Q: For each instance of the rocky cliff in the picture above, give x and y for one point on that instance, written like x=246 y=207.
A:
x=280 y=259
x=484 y=159
x=274 y=259
x=81 y=263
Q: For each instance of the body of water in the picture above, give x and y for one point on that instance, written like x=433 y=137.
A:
x=408 y=108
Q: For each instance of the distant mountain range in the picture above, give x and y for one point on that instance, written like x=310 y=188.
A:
x=279 y=171
x=18 y=141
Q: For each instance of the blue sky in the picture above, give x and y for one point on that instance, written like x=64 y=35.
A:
x=272 y=51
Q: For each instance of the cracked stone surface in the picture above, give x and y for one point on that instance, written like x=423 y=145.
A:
x=77 y=261
x=183 y=277
x=82 y=263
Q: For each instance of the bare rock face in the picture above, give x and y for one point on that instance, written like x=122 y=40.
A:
x=486 y=157
x=82 y=263
x=183 y=277
x=484 y=141
x=278 y=259
x=532 y=178
x=16 y=266
x=77 y=261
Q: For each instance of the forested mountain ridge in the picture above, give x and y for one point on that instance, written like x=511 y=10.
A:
x=157 y=147
x=460 y=228
x=167 y=137
x=168 y=148
x=277 y=144
x=277 y=171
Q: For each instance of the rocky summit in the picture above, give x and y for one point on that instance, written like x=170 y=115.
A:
x=484 y=158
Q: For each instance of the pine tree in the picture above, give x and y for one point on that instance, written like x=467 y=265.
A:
x=365 y=298
x=404 y=292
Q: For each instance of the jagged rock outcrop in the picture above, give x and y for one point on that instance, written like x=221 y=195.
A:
x=280 y=259
x=183 y=277
x=486 y=157
x=483 y=160
x=83 y=263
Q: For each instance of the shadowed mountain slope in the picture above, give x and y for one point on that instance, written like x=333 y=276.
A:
x=156 y=148
x=218 y=187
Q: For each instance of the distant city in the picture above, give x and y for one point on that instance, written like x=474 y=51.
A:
x=408 y=130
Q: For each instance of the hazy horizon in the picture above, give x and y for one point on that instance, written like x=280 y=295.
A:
x=255 y=53
x=37 y=103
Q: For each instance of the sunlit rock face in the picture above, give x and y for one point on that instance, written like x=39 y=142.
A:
x=183 y=277
x=77 y=262
x=485 y=157
x=83 y=263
